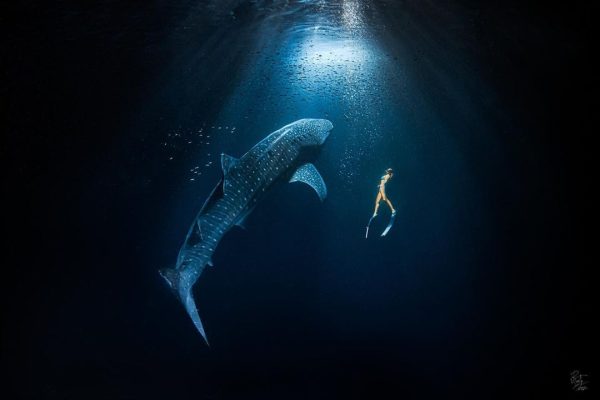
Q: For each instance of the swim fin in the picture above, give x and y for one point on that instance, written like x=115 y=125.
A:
x=390 y=224
x=369 y=224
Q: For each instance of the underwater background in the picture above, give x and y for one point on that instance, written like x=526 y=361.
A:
x=118 y=113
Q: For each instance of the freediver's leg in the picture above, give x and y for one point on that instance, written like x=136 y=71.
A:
x=377 y=201
x=392 y=217
x=389 y=203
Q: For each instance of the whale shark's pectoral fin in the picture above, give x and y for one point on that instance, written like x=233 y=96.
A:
x=308 y=174
x=227 y=162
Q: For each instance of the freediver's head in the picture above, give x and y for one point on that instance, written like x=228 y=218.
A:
x=389 y=172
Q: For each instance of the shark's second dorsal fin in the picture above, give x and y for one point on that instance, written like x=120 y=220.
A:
x=241 y=221
x=227 y=162
x=308 y=174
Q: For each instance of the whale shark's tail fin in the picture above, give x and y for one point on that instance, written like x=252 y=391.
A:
x=183 y=289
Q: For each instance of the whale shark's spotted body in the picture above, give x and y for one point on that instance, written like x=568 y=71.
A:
x=245 y=181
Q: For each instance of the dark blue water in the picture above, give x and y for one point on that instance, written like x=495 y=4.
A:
x=120 y=112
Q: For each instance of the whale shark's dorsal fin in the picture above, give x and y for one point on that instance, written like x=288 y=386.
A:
x=216 y=194
x=308 y=174
x=227 y=162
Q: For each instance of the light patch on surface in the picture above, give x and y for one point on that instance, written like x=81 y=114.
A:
x=326 y=54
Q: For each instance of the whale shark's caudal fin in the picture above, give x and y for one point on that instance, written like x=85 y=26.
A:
x=190 y=306
x=181 y=286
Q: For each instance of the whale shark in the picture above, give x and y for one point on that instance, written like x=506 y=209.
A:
x=283 y=156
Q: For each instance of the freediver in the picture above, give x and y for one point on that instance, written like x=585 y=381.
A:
x=389 y=173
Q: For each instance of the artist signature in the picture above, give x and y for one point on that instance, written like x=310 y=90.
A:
x=578 y=382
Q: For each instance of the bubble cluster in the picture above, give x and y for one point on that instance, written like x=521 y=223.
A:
x=311 y=59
